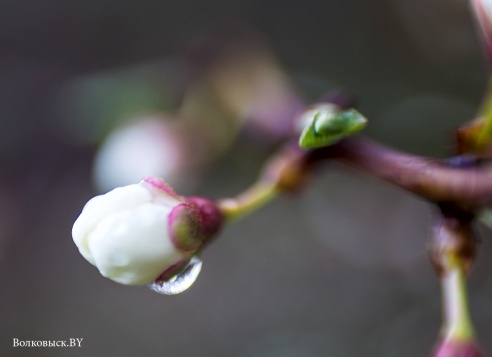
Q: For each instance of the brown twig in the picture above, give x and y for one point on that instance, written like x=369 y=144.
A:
x=429 y=178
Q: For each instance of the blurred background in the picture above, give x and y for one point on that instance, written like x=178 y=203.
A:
x=98 y=93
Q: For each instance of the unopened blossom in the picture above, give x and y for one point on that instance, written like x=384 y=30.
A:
x=134 y=234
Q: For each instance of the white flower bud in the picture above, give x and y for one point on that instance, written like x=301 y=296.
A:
x=132 y=234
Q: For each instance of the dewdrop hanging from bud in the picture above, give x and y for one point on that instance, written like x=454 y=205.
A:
x=145 y=232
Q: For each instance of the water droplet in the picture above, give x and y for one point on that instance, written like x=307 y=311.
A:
x=181 y=281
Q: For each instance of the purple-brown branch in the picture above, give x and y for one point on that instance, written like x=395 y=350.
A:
x=432 y=179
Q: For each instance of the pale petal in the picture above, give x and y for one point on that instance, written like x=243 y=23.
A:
x=132 y=246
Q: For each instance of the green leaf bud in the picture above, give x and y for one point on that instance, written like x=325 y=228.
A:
x=326 y=124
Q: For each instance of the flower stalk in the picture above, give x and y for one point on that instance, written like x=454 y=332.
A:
x=485 y=134
x=457 y=334
x=458 y=325
x=452 y=252
x=285 y=172
x=250 y=200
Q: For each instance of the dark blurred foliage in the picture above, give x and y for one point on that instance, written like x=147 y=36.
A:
x=339 y=270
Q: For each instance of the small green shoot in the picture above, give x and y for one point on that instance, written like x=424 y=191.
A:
x=328 y=126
